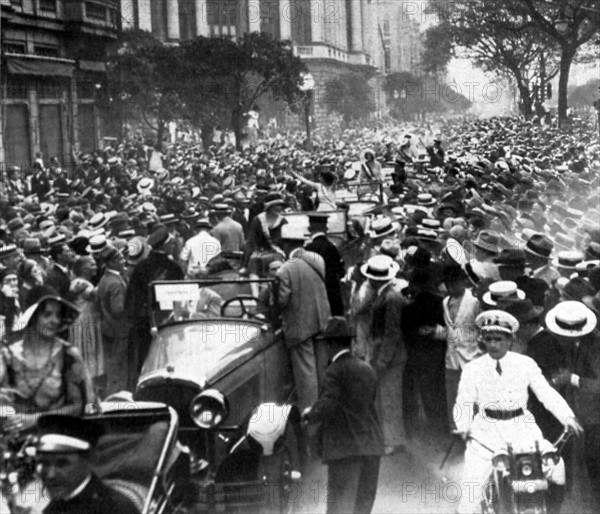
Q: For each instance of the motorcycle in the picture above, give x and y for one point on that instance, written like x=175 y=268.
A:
x=138 y=456
x=521 y=480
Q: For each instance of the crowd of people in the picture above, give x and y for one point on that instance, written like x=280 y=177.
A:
x=472 y=217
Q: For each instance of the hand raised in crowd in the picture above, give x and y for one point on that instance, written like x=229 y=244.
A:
x=573 y=426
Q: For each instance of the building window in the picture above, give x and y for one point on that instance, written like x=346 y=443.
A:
x=386 y=27
x=95 y=11
x=17 y=3
x=45 y=50
x=269 y=18
x=224 y=18
x=187 y=20
x=14 y=47
x=158 y=9
x=300 y=16
x=47 y=5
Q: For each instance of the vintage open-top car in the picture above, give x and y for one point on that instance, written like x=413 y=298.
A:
x=218 y=359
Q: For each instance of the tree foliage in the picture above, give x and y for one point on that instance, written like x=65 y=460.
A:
x=438 y=48
x=351 y=96
x=209 y=81
x=411 y=96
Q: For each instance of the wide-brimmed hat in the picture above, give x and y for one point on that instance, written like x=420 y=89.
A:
x=511 y=258
x=524 y=310
x=487 y=240
x=383 y=226
x=136 y=250
x=380 y=267
x=571 y=319
x=145 y=185
x=96 y=244
x=273 y=199
x=33 y=246
x=426 y=200
x=501 y=292
x=337 y=328
x=569 y=260
x=70 y=312
x=540 y=246
x=97 y=221
x=455 y=252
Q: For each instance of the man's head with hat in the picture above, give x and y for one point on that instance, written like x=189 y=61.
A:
x=511 y=263
x=337 y=336
x=64 y=453
x=317 y=223
x=539 y=250
x=497 y=332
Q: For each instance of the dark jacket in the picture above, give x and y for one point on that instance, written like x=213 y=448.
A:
x=96 y=498
x=346 y=410
x=157 y=266
x=546 y=351
x=334 y=271
x=59 y=281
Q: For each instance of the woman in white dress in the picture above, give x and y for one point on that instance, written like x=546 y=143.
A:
x=325 y=190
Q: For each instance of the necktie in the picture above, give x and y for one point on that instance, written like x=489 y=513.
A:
x=498 y=368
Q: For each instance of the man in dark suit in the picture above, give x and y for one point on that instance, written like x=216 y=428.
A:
x=334 y=265
x=64 y=452
x=352 y=442
x=157 y=266
x=59 y=275
x=114 y=325
x=575 y=326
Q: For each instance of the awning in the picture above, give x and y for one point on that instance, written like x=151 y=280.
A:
x=41 y=67
x=97 y=66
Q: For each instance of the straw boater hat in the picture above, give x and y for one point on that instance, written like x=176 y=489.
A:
x=145 y=185
x=571 y=319
x=569 y=260
x=380 y=267
x=273 y=199
x=501 y=292
x=96 y=244
x=383 y=226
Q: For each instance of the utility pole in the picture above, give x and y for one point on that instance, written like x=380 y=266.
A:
x=2 y=94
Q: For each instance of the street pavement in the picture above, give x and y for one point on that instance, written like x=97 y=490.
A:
x=411 y=482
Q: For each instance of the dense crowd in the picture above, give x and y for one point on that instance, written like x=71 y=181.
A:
x=472 y=216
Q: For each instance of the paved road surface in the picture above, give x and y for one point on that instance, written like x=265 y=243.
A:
x=413 y=484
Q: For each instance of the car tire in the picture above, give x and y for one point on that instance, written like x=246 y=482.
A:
x=283 y=491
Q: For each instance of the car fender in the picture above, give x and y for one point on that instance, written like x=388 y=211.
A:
x=268 y=423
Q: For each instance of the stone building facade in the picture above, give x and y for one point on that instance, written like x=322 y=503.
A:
x=52 y=77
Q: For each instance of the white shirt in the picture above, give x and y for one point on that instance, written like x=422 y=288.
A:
x=481 y=385
x=198 y=250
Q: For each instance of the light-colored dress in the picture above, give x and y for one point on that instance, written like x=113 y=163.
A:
x=327 y=199
x=86 y=336
x=57 y=383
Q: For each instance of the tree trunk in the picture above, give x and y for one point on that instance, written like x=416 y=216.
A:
x=207 y=130
x=566 y=59
x=526 y=103
x=160 y=133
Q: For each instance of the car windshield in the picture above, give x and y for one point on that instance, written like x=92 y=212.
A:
x=192 y=300
x=197 y=348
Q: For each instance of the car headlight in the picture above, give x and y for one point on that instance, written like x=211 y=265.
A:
x=526 y=469
x=209 y=409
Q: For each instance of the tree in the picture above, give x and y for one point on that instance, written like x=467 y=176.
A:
x=498 y=40
x=144 y=78
x=438 y=48
x=351 y=96
x=245 y=71
x=581 y=21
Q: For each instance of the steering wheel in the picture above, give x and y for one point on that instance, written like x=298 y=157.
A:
x=240 y=299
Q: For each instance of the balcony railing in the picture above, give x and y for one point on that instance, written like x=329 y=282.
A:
x=325 y=51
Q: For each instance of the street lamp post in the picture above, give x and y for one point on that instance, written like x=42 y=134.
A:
x=307 y=87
